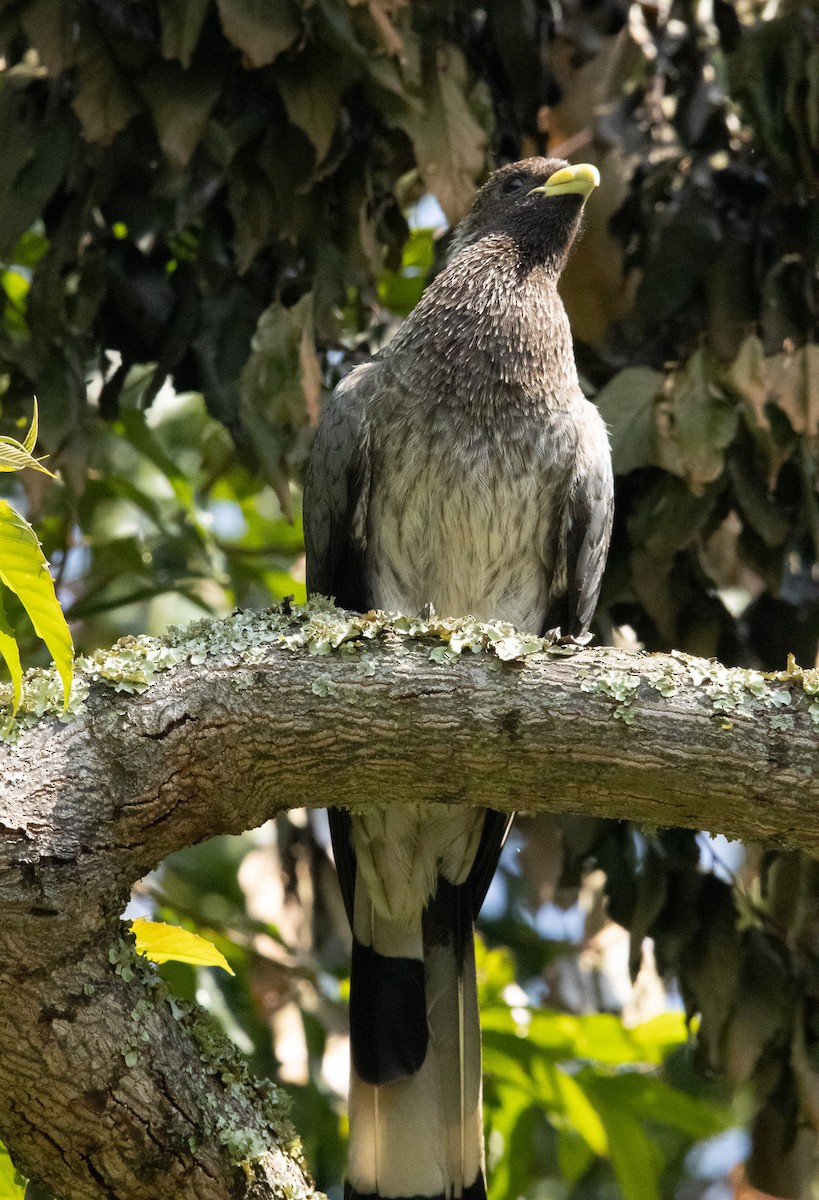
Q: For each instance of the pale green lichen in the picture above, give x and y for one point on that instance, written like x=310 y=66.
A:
x=251 y=1119
x=367 y=667
x=244 y=640
x=132 y=664
x=324 y=686
x=440 y=654
x=620 y=686
x=123 y=958
x=662 y=677
x=243 y=1145
x=743 y=693
x=478 y=637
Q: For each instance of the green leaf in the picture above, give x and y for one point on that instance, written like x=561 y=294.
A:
x=261 y=29
x=659 y=1036
x=626 y=404
x=695 y=423
x=24 y=571
x=635 y=1159
x=16 y=286
x=511 y=1124
x=599 y=1038
x=252 y=205
x=666 y=518
x=10 y=653
x=143 y=439
x=103 y=101
x=629 y=1102
x=14 y=455
x=30 y=440
x=26 y=187
x=12 y=1184
x=655 y=1101
x=311 y=89
x=401 y=290
x=576 y=1112
x=180 y=104
x=181 y=22
x=574 y=1155
x=162 y=943
x=30 y=249
x=280 y=387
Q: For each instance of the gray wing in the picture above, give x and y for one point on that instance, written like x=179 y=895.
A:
x=586 y=528
x=336 y=494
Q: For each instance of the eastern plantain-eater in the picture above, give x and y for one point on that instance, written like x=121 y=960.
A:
x=461 y=468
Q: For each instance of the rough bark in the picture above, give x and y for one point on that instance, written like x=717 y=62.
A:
x=106 y=1088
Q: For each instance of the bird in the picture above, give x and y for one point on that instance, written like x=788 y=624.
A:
x=461 y=470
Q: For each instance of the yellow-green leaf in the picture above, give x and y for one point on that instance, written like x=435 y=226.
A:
x=579 y=1113
x=161 y=942
x=12 y=1184
x=24 y=571
x=30 y=440
x=14 y=455
x=10 y=653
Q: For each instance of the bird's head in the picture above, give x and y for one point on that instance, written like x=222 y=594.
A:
x=537 y=203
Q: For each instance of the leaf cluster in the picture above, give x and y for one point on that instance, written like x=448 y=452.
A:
x=709 y=381
x=201 y=185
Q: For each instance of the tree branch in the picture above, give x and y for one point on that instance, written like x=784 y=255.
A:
x=108 y=1088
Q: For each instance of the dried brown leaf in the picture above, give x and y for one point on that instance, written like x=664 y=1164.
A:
x=748 y=375
x=450 y=145
x=794 y=386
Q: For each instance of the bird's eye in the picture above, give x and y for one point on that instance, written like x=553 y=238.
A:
x=513 y=184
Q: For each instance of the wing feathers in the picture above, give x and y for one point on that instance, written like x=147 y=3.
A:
x=336 y=493
x=586 y=526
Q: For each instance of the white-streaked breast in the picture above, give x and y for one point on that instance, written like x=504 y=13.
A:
x=467 y=530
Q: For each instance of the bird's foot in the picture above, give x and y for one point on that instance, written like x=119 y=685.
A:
x=556 y=638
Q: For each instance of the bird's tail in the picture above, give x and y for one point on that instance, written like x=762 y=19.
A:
x=415 y=1078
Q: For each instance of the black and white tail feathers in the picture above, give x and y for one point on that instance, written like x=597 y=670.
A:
x=415 y=1077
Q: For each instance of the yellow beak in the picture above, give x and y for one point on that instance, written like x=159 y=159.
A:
x=570 y=181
